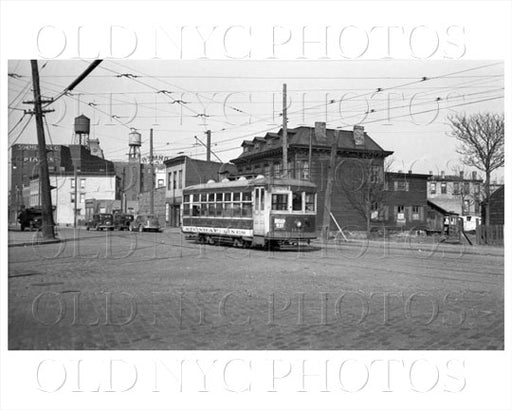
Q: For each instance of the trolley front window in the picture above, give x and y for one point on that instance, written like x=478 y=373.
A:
x=310 y=202
x=279 y=202
x=297 y=201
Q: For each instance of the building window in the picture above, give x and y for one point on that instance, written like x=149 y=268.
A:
x=277 y=169
x=174 y=176
x=72 y=183
x=443 y=187
x=466 y=206
x=72 y=197
x=310 y=202
x=415 y=213
x=432 y=187
x=456 y=188
x=400 y=209
x=160 y=183
x=169 y=180
x=374 y=174
x=401 y=185
x=466 y=188
x=297 y=201
x=82 y=183
x=82 y=197
x=477 y=188
x=180 y=179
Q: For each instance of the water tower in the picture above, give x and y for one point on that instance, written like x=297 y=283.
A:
x=82 y=130
x=134 y=141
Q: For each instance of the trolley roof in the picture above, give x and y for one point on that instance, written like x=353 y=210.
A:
x=253 y=182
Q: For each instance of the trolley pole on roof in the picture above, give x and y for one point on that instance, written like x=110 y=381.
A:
x=285 y=134
x=208 y=145
x=152 y=168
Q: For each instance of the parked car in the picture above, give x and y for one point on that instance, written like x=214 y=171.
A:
x=123 y=221
x=101 y=222
x=30 y=218
x=143 y=223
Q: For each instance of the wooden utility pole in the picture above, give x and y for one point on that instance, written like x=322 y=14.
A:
x=44 y=176
x=152 y=167
x=328 y=189
x=208 y=145
x=285 y=134
x=310 y=154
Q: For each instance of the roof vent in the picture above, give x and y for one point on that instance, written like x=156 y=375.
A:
x=211 y=181
x=225 y=180
x=242 y=179
x=260 y=176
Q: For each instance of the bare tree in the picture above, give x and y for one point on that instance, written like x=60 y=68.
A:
x=482 y=138
x=363 y=183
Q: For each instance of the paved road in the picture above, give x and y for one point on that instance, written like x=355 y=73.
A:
x=159 y=291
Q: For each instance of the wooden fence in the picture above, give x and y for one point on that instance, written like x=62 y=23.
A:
x=489 y=235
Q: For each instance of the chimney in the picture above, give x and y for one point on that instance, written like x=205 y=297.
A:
x=410 y=171
x=430 y=173
x=320 y=132
x=442 y=174
x=473 y=175
x=358 y=135
x=461 y=174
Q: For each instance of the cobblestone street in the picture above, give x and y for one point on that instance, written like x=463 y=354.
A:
x=158 y=291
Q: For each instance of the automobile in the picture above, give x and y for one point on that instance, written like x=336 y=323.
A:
x=123 y=221
x=101 y=221
x=145 y=222
x=30 y=218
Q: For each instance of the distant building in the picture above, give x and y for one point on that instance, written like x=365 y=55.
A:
x=183 y=171
x=96 y=179
x=456 y=193
x=357 y=156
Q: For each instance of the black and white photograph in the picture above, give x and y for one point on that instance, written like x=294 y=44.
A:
x=238 y=203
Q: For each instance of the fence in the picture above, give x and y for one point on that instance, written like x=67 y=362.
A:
x=489 y=235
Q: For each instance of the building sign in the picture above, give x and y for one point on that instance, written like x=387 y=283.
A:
x=157 y=159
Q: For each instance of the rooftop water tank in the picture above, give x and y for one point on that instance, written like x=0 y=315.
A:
x=82 y=125
x=134 y=139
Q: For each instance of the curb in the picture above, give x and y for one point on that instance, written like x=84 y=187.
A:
x=53 y=241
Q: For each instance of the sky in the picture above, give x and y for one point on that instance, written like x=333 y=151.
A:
x=403 y=104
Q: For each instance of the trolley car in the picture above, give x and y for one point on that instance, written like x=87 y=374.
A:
x=251 y=212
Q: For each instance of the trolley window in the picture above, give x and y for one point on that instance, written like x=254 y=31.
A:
x=211 y=197
x=196 y=197
x=237 y=209
x=279 y=202
x=186 y=209
x=247 y=209
x=219 y=196
x=247 y=196
x=196 y=210
x=227 y=196
x=297 y=201
x=310 y=202
x=186 y=198
x=236 y=196
x=203 y=197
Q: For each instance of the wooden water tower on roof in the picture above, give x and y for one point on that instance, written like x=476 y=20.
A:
x=82 y=130
x=134 y=141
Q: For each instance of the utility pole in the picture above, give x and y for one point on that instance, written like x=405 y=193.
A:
x=285 y=134
x=44 y=176
x=328 y=189
x=310 y=154
x=208 y=145
x=152 y=168
x=75 y=176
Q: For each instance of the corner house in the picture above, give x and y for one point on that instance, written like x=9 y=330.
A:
x=262 y=211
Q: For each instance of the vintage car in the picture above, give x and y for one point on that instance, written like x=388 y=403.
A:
x=123 y=221
x=101 y=221
x=145 y=222
x=30 y=218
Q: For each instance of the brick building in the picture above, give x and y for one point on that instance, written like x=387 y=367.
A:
x=358 y=158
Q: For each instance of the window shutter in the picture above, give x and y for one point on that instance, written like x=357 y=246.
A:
x=395 y=188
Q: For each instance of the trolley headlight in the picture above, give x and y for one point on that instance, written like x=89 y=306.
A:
x=298 y=224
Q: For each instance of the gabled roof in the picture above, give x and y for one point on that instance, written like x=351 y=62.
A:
x=445 y=206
